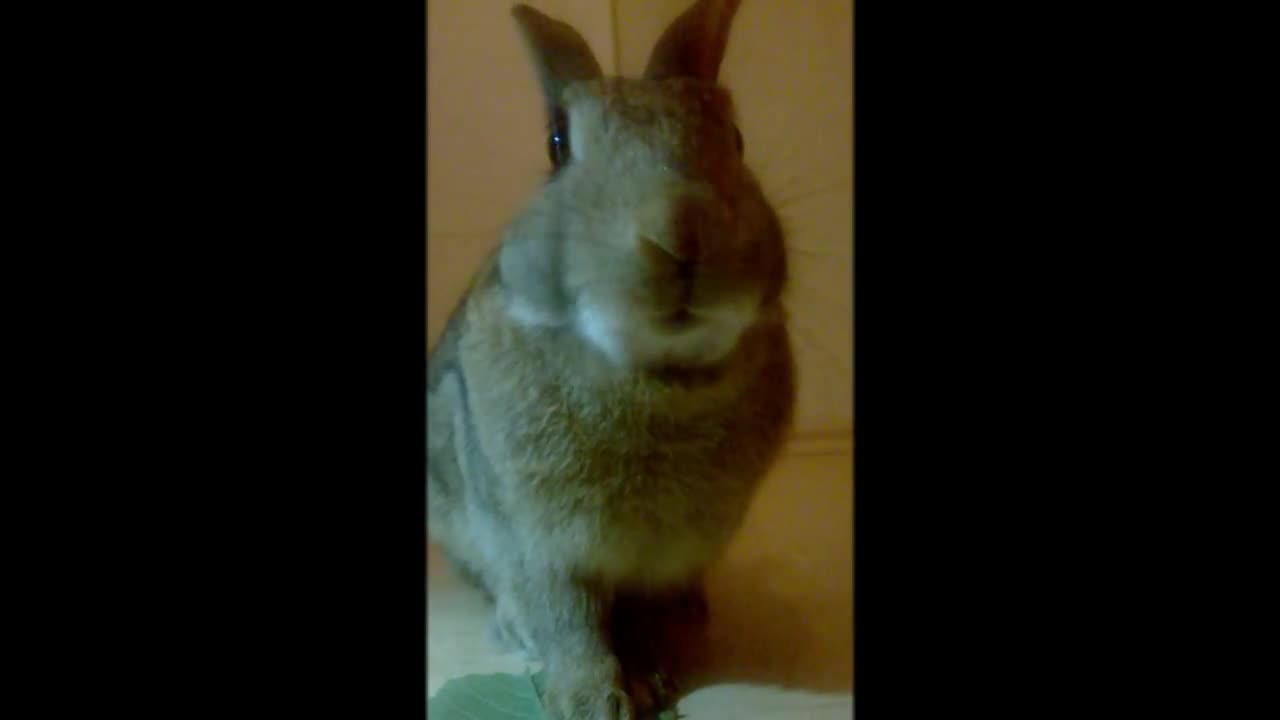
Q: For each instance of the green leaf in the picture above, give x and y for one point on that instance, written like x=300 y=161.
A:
x=500 y=696
x=487 y=697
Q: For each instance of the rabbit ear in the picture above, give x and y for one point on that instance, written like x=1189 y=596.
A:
x=561 y=56
x=694 y=44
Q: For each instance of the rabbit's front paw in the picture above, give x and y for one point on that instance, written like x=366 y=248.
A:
x=506 y=635
x=587 y=693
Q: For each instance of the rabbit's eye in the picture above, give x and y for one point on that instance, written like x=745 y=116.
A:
x=558 y=141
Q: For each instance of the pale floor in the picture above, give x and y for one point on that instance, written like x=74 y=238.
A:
x=780 y=640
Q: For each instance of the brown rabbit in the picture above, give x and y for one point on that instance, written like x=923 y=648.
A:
x=618 y=378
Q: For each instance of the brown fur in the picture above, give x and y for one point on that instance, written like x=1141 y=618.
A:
x=565 y=469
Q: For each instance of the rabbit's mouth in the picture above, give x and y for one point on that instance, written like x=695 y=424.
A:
x=688 y=336
x=679 y=319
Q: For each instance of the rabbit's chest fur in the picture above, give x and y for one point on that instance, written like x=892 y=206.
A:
x=631 y=477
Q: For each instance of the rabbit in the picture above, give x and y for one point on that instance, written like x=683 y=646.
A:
x=618 y=378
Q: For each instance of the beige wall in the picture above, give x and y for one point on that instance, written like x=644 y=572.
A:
x=790 y=65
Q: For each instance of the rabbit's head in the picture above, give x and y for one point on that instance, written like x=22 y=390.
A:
x=651 y=240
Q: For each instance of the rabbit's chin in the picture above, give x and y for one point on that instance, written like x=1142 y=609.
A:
x=707 y=337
